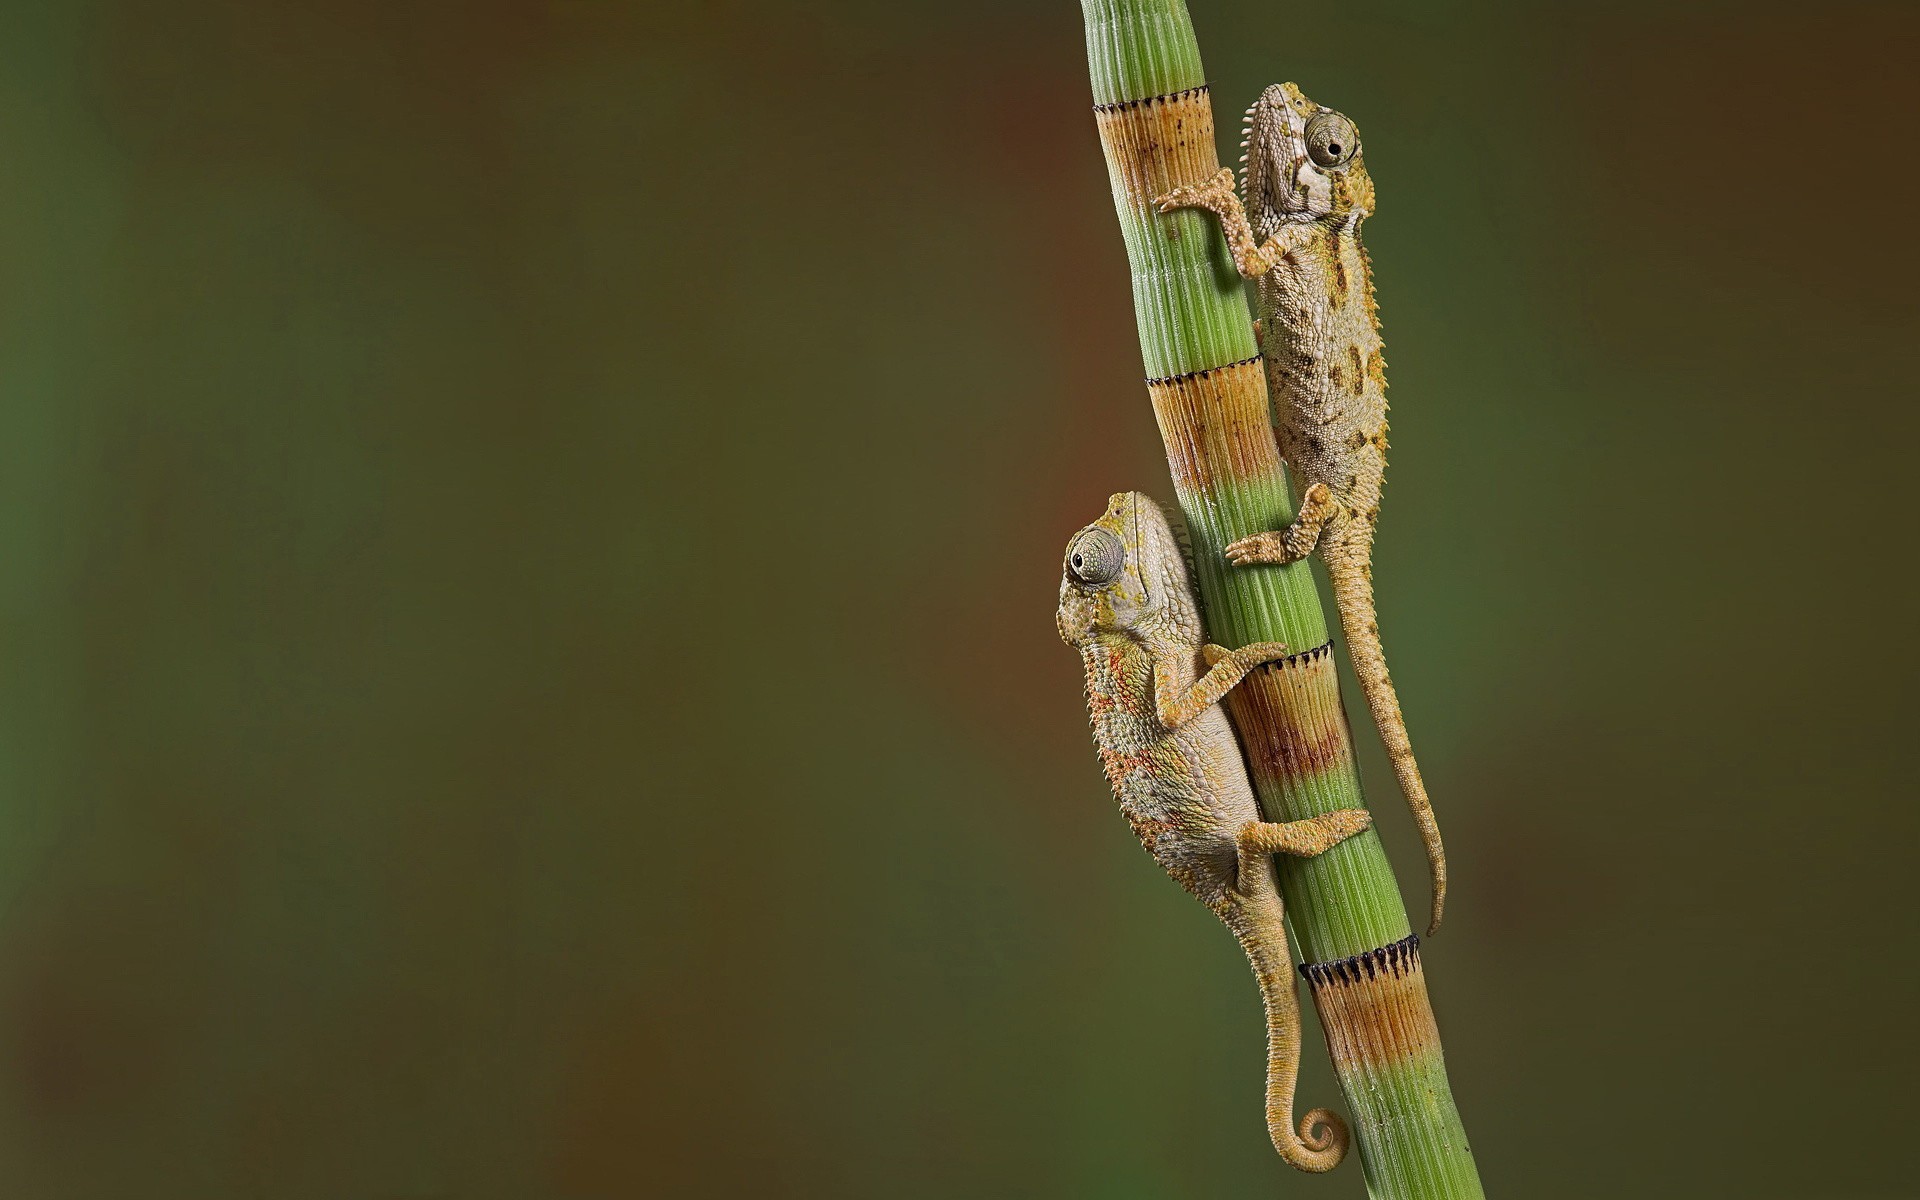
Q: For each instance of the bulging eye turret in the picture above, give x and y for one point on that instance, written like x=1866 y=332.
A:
x=1096 y=557
x=1332 y=141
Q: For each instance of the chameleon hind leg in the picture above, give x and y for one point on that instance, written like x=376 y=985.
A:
x=1320 y=1139
x=1303 y=838
x=1296 y=541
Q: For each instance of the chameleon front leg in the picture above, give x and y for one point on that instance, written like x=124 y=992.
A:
x=1296 y=541
x=1251 y=257
x=1176 y=705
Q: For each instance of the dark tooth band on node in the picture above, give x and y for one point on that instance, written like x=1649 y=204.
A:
x=1393 y=960
x=1168 y=98
x=1164 y=380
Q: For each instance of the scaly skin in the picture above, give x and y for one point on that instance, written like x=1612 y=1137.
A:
x=1127 y=606
x=1320 y=337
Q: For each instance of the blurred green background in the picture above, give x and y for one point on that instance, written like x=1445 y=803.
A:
x=529 y=538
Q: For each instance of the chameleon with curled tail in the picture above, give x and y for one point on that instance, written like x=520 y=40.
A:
x=1154 y=691
x=1319 y=333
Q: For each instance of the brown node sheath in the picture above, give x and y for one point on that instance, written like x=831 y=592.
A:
x=1216 y=426
x=1374 y=1007
x=1290 y=718
x=1157 y=144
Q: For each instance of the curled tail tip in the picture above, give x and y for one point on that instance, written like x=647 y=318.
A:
x=1323 y=1129
x=1324 y=1138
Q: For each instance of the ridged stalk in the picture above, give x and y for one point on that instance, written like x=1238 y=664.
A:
x=1209 y=397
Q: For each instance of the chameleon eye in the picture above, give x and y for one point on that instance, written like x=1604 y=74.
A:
x=1095 y=556
x=1332 y=141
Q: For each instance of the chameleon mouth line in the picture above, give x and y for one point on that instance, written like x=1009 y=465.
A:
x=1164 y=380
x=1395 y=959
x=1167 y=98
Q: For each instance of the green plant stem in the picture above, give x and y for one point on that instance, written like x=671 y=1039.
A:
x=1196 y=337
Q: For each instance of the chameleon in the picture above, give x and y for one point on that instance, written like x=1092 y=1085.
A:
x=1306 y=182
x=1153 y=693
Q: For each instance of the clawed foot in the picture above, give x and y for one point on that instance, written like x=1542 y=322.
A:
x=1248 y=656
x=1211 y=195
x=1260 y=548
x=1293 y=543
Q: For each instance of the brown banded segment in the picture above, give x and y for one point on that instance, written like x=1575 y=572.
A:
x=1290 y=718
x=1216 y=427
x=1374 y=1007
x=1155 y=145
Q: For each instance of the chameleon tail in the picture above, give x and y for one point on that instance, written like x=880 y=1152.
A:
x=1321 y=1140
x=1352 y=577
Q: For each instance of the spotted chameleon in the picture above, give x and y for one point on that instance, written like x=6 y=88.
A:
x=1308 y=189
x=1153 y=691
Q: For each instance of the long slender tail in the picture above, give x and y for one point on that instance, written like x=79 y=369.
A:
x=1321 y=1140
x=1352 y=576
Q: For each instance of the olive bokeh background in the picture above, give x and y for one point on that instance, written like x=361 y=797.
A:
x=530 y=533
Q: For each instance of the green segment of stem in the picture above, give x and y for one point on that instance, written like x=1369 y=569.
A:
x=1178 y=293
x=1412 y=1145
x=1140 y=49
x=1253 y=600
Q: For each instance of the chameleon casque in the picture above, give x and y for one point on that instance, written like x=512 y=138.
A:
x=1153 y=692
x=1319 y=335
